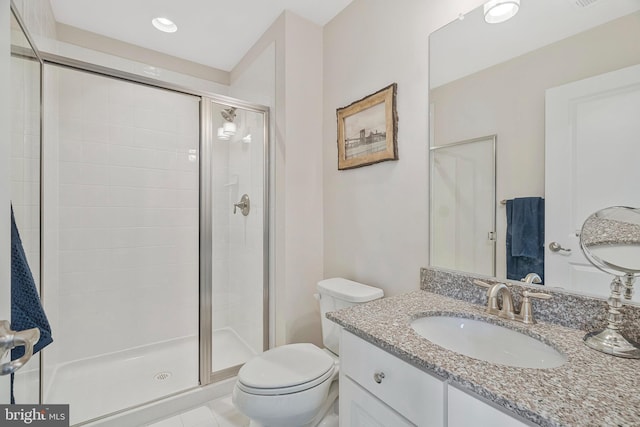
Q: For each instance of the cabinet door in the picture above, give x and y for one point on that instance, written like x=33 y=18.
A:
x=359 y=408
x=464 y=410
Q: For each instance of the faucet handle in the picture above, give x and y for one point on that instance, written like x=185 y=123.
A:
x=489 y=285
x=538 y=295
x=526 y=310
x=483 y=284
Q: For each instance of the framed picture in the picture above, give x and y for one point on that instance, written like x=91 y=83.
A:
x=367 y=130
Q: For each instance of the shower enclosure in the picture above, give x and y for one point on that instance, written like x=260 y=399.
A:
x=463 y=209
x=154 y=239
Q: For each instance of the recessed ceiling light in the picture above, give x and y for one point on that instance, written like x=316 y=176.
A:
x=164 y=24
x=497 y=11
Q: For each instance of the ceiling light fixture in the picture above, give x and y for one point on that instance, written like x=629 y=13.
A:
x=497 y=11
x=164 y=24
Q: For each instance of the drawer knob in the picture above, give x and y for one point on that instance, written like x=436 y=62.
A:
x=378 y=377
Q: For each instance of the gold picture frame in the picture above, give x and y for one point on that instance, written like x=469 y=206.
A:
x=368 y=130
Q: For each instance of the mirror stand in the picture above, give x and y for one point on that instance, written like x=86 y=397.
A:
x=610 y=340
x=629 y=279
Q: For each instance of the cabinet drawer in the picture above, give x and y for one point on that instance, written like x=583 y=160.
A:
x=413 y=393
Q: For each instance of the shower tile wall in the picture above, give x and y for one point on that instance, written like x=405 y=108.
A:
x=50 y=218
x=25 y=157
x=246 y=234
x=128 y=216
x=256 y=83
x=221 y=215
x=238 y=256
x=25 y=180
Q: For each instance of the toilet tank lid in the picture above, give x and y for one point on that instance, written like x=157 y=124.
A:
x=348 y=290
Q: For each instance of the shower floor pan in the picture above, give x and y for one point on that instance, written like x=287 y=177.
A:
x=113 y=382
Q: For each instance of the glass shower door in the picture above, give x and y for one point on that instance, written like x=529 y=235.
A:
x=121 y=208
x=238 y=239
x=463 y=206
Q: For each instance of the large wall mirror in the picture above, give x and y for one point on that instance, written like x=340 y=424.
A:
x=557 y=90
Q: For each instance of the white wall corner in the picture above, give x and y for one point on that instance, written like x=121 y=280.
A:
x=303 y=175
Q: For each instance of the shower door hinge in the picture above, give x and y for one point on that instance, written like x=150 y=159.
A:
x=491 y=236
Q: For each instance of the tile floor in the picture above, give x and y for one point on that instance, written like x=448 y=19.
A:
x=219 y=413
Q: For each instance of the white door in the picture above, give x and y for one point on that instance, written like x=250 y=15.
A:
x=591 y=158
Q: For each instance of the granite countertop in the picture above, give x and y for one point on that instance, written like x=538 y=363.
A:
x=590 y=389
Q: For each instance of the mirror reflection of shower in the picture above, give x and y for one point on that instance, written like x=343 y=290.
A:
x=232 y=130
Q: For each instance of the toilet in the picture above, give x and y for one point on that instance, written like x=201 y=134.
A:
x=296 y=385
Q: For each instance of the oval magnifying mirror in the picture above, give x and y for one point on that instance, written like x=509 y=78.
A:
x=610 y=239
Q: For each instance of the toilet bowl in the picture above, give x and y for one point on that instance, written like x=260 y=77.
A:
x=285 y=386
x=296 y=385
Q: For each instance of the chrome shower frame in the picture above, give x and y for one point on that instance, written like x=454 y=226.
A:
x=206 y=138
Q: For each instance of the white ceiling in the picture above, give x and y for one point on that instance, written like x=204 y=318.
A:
x=216 y=33
x=466 y=46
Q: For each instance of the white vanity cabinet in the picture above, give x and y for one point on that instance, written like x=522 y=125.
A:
x=358 y=408
x=464 y=410
x=376 y=386
x=378 y=389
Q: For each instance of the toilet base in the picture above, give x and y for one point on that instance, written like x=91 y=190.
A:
x=327 y=416
x=330 y=418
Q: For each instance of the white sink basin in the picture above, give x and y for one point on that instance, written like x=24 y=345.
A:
x=488 y=342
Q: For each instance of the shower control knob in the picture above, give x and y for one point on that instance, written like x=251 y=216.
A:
x=244 y=204
x=378 y=377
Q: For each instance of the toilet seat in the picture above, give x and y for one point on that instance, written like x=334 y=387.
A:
x=286 y=369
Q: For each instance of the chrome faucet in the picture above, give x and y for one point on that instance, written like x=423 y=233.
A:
x=507 y=301
x=508 y=311
x=532 y=278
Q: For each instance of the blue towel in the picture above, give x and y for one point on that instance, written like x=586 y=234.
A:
x=525 y=237
x=26 y=309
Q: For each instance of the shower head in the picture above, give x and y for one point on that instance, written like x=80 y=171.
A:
x=229 y=114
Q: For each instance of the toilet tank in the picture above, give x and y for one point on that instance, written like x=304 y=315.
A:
x=337 y=293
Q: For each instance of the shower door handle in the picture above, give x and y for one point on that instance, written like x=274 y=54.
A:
x=10 y=339
x=244 y=204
